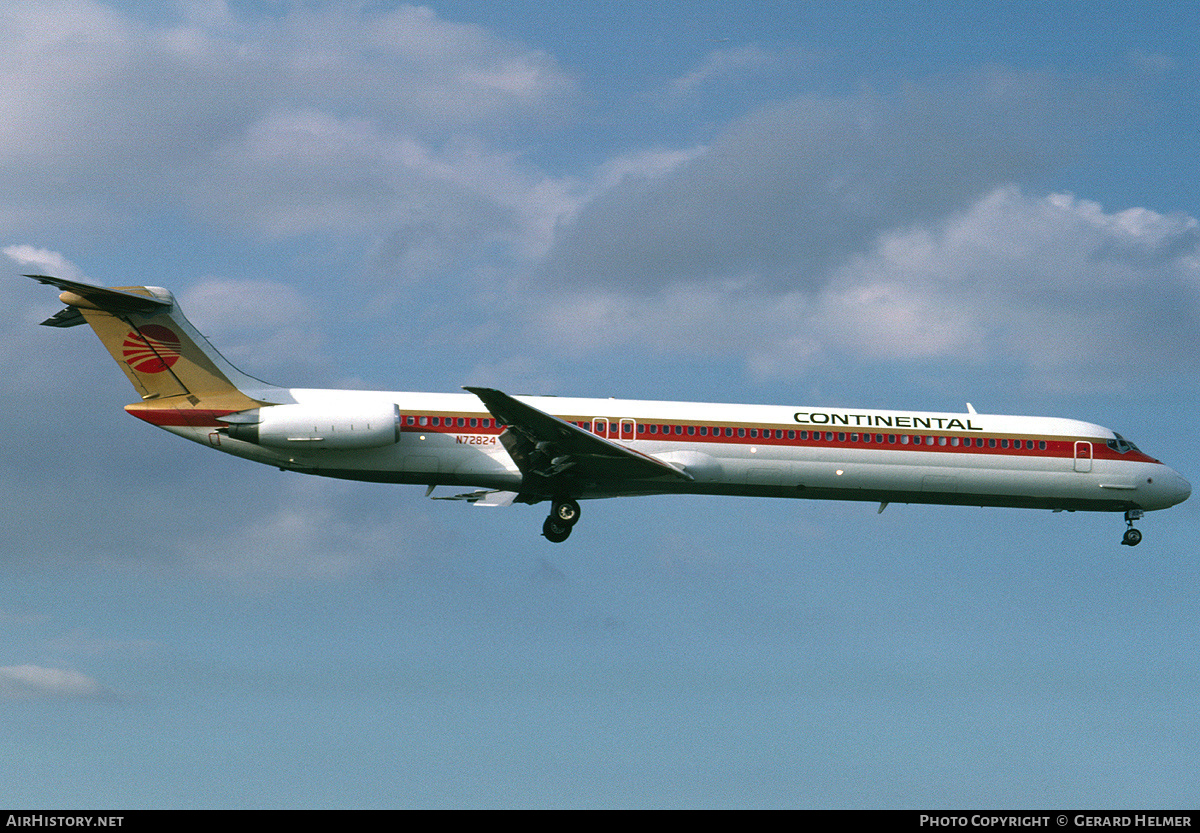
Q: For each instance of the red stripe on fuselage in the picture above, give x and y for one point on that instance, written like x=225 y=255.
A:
x=1057 y=446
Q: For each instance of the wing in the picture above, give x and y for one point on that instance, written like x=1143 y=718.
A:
x=556 y=457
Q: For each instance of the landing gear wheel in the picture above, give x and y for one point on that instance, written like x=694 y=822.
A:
x=554 y=531
x=565 y=512
x=1132 y=536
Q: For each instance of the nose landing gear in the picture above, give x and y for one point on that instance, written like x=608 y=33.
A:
x=1132 y=536
x=564 y=514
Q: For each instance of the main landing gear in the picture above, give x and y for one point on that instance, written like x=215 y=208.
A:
x=1132 y=536
x=564 y=514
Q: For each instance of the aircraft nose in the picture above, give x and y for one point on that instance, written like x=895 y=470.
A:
x=1162 y=487
x=1175 y=488
x=1183 y=489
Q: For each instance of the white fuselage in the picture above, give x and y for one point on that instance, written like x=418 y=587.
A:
x=758 y=450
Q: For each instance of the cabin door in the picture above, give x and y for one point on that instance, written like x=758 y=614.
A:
x=1083 y=456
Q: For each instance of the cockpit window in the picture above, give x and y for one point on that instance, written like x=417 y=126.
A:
x=1122 y=445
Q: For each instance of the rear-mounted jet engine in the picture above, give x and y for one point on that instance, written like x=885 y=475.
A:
x=317 y=427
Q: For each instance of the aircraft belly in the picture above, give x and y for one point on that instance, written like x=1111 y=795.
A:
x=779 y=474
x=941 y=479
x=421 y=464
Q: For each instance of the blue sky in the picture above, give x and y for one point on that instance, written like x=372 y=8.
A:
x=862 y=205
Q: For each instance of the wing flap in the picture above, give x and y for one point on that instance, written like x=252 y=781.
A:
x=483 y=497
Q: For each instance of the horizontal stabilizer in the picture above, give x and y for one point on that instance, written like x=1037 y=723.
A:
x=65 y=317
x=100 y=297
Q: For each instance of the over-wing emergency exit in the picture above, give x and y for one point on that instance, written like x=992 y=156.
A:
x=532 y=449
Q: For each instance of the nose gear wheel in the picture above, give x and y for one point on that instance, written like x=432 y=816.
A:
x=1132 y=536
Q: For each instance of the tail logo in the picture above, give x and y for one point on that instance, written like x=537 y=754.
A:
x=153 y=350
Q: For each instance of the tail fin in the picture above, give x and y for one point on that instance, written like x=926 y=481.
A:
x=168 y=361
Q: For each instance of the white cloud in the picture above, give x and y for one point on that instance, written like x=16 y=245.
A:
x=724 y=64
x=27 y=350
x=1055 y=292
x=265 y=328
x=44 y=261
x=425 y=205
x=793 y=189
x=1153 y=62
x=314 y=530
x=228 y=305
x=870 y=227
x=288 y=123
x=21 y=682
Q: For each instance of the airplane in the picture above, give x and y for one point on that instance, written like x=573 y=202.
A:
x=530 y=449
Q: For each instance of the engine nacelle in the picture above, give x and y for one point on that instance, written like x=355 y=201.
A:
x=317 y=427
